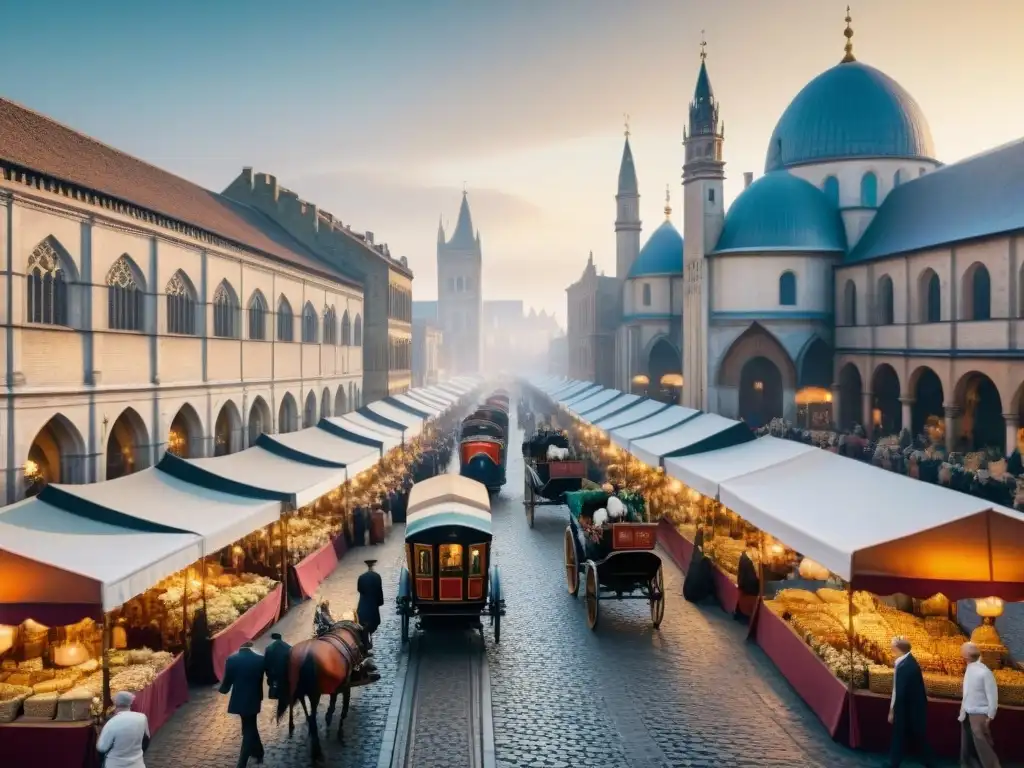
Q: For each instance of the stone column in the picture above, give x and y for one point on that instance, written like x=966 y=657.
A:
x=907 y=404
x=836 y=400
x=952 y=413
x=1012 y=424
x=867 y=400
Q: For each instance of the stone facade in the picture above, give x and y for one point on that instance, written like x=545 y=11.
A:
x=460 y=295
x=427 y=341
x=595 y=306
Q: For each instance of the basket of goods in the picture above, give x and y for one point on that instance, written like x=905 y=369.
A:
x=937 y=605
x=880 y=679
x=132 y=679
x=11 y=698
x=829 y=595
x=1011 y=687
x=74 y=705
x=943 y=686
x=42 y=706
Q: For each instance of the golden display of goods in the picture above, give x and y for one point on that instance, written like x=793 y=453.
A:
x=829 y=595
x=41 y=705
x=985 y=634
x=813 y=571
x=936 y=605
x=69 y=655
x=74 y=706
x=880 y=679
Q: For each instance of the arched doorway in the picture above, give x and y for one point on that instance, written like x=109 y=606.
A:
x=981 y=414
x=57 y=455
x=663 y=361
x=227 y=431
x=816 y=365
x=288 y=414
x=887 y=416
x=309 y=412
x=851 y=397
x=325 y=404
x=259 y=419
x=185 y=437
x=127 y=445
x=927 y=411
x=760 y=392
x=340 y=405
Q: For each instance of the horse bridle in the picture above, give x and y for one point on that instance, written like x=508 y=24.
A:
x=352 y=654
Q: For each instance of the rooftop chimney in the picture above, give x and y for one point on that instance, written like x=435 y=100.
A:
x=369 y=237
x=748 y=178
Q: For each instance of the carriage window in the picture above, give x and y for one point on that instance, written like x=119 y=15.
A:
x=424 y=561
x=451 y=559
x=476 y=560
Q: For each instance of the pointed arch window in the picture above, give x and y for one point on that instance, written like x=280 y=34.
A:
x=850 y=303
x=979 y=283
x=257 y=317
x=330 y=326
x=357 y=332
x=346 y=330
x=869 y=190
x=646 y=294
x=125 y=296
x=787 y=289
x=309 y=324
x=225 y=312
x=831 y=189
x=886 y=310
x=930 y=290
x=285 y=321
x=47 y=287
x=181 y=305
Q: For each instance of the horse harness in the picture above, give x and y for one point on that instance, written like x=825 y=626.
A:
x=351 y=654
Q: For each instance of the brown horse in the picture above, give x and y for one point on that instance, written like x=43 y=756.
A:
x=323 y=666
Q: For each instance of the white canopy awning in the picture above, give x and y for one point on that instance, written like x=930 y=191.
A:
x=158 y=497
x=593 y=401
x=705 y=472
x=57 y=567
x=319 y=444
x=422 y=403
x=566 y=392
x=640 y=410
x=620 y=403
x=580 y=395
x=413 y=424
x=700 y=432
x=388 y=438
x=659 y=421
x=438 y=397
x=261 y=470
x=883 y=531
x=366 y=423
x=448 y=488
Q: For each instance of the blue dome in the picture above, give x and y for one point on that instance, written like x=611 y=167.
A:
x=849 y=111
x=662 y=254
x=782 y=212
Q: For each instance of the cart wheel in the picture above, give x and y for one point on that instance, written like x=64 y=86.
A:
x=405 y=628
x=657 y=587
x=592 y=595
x=531 y=507
x=497 y=626
x=572 y=568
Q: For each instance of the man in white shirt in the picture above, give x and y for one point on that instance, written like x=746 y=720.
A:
x=125 y=736
x=977 y=711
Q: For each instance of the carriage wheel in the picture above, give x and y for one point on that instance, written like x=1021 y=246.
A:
x=591 y=595
x=657 y=588
x=497 y=626
x=531 y=506
x=405 y=627
x=572 y=568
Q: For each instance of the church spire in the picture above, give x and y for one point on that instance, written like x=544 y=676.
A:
x=848 y=34
x=627 y=170
x=440 y=231
x=704 y=108
x=668 y=202
x=463 y=237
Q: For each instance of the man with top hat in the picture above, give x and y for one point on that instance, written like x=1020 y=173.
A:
x=276 y=662
x=243 y=679
x=371 y=598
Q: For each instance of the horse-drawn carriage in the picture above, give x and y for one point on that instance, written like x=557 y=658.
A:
x=615 y=558
x=448 y=573
x=483 y=442
x=551 y=471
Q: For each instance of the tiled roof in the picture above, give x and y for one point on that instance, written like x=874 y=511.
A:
x=35 y=142
x=977 y=197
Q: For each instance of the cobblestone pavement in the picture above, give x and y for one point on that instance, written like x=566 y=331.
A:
x=693 y=693
x=202 y=735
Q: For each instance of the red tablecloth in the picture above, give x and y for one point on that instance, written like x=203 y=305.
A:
x=47 y=743
x=311 y=571
x=158 y=700
x=248 y=626
x=678 y=548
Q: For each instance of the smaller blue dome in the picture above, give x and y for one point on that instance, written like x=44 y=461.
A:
x=662 y=254
x=782 y=212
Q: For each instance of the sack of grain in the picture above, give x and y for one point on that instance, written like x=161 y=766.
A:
x=31 y=665
x=75 y=705
x=42 y=706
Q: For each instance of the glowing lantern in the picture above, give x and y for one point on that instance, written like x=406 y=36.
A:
x=989 y=608
x=70 y=655
x=813 y=571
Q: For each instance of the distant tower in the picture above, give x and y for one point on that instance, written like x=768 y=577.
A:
x=627 y=213
x=703 y=216
x=460 y=295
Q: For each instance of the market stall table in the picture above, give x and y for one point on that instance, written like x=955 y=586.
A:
x=48 y=744
x=248 y=626
x=168 y=691
x=311 y=571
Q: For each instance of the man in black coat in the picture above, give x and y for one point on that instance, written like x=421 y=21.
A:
x=243 y=679
x=908 y=707
x=276 y=663
x=371 y=598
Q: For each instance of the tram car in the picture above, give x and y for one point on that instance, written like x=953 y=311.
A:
x=483 y=443
x=449 y=574
x=615 y=557
x=551 y=471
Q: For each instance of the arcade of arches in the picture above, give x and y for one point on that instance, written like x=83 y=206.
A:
x=968 y=415
x=663 y=380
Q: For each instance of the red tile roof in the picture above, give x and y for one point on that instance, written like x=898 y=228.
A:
x=35 y=142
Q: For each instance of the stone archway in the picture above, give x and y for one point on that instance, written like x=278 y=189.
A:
x=756 y=342
x=325 y=404
x=851 y=397
x=288 y=414
x=185 y=437
x=127 y=445
x=760 y=393
x=259 y=419
x=57 y=455
x=816 y=365
x=981 y=422
x=663 y=361
x=340 y=403
x=929 y=396
x=309 y=412
x=227 y=430
x=885 y=390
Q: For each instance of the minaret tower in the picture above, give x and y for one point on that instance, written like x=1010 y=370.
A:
x=627 y=213
x=703 y=216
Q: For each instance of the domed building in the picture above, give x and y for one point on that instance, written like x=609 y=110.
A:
x=858 y=267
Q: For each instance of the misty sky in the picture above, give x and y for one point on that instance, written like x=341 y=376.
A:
x=379 y=112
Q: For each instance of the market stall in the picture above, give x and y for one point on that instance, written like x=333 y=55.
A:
x=640 y=410
x=372 y=422
x=434 y=408
x=620 y=402
x=696 y=434
x=659 y=421
x=355 y=432
x=393 y=416
x=590 y=402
